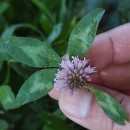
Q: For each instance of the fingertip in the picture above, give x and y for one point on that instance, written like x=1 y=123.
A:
x=76 y=105
x=83 y=109
x=54 y=94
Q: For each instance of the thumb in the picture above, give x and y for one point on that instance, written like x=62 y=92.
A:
x=83 y=109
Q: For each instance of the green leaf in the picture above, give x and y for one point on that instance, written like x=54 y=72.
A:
x=54 y=34
x=38 y=85
x=31 y=51
x=63 y=11
x=3 y=7
x=46 y=127
x=83 y=34
x=3 y=125
x=111 y=107
x=1 y=64
x=44 y=8
x=58 y=113
x=8 y=32
x=53 y=124
x=3 y=55
x=53 y=121
x=7 y=97
x=46 y=24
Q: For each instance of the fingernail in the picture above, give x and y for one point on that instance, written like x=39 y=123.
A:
x=77 y=105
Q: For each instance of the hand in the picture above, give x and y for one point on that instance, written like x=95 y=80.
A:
x=110 y=53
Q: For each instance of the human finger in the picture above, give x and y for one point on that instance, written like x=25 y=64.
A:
x=112 y=47
x=114 y=76
x=54 y=94
x=83 y=109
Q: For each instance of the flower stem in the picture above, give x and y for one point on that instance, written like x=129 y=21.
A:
x=88 y=87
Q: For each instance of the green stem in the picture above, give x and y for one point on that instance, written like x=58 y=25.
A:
x=88 y=87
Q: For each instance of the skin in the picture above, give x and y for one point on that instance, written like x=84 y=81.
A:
x=110 y=53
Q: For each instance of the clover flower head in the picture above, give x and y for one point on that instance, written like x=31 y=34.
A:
x=73 y=75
